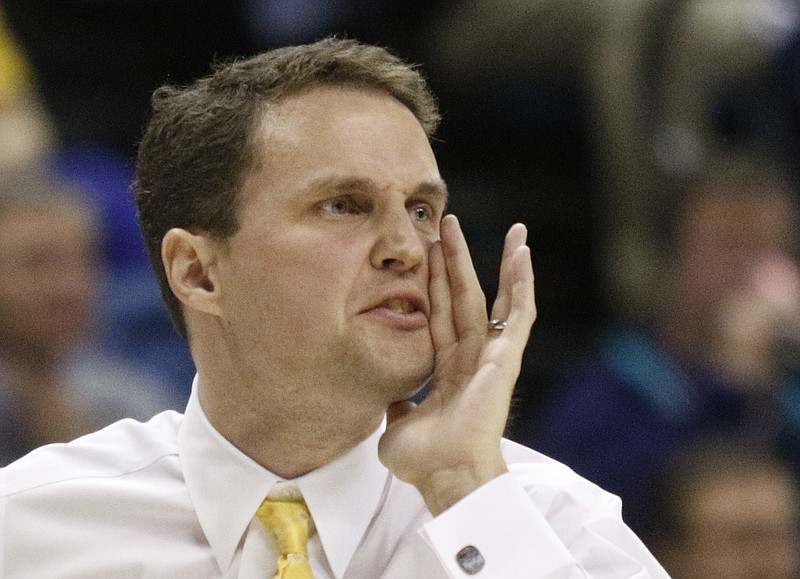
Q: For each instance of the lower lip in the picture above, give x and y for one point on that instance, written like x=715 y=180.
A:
x=400 y=320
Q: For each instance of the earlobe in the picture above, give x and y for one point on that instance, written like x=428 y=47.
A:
x=190 y=263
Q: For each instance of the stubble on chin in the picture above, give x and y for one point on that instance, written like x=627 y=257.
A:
x=386 y=372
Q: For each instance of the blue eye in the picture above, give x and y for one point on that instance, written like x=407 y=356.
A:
x=420 y=213
x=339 y=207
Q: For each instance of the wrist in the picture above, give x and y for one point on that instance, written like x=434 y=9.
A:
x=444 y=488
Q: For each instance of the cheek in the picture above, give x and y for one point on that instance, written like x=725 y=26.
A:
x=301 y=286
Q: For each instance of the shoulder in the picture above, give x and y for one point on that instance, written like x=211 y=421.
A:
x=120 y=449
x=110 y=504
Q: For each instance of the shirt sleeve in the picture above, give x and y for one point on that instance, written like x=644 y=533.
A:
x=513 y=530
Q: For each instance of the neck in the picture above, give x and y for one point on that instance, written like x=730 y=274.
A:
x=44 y=400
x=30 y=367
x=289 y=419
x=283 y=426
x=29 y=356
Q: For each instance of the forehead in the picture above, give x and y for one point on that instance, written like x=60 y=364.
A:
x=764 y=216
x=48 y=222
x=769 y=494
x=345 y=128
x=338 y=133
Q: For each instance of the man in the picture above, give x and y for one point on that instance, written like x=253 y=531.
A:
x=717 y=356
x=727 y=512
x=57 y=381
x=294 y=211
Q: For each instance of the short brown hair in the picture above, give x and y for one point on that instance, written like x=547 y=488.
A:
x=200 y=144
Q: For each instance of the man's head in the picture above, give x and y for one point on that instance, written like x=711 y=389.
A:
x=732 y=216
x=49 y=276
x=740 y=212
x=729 y=512
x=293 y=199
x=203 y=140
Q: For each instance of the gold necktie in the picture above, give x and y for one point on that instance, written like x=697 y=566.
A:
x=287 y=522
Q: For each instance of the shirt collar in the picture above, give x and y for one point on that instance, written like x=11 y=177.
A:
x=344 y=497
x=226 y=487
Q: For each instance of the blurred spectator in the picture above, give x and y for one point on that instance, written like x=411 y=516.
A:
x=663 y=84
x=55 y=383
x=137 y=326
x=719 y=354
x=727 y=513
x=88 y=146
x=583 y=110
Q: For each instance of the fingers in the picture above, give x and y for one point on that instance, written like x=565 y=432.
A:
x=509 y=345
x=516 y=237
x=458 y=305
x=466 y=297
x=443 y=331
x=523 y=298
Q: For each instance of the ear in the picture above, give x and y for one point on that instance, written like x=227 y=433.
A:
x=190 y=262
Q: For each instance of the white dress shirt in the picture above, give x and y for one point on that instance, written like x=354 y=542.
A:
x=173 y=498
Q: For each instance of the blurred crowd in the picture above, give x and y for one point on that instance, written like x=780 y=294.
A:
x=650 y=145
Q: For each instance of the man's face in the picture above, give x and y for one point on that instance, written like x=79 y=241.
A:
x=741 y=527
x=325 y=284
x=48 y=276
x=724 y=236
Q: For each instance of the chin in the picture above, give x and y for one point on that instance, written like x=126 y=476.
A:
x=398 y=369
x=408 y=385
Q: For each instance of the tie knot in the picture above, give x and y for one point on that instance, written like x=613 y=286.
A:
x=287 y=521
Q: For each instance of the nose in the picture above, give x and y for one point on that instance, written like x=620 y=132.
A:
x=400 y=245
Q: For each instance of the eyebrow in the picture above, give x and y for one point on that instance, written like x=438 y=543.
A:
x=346 y=185
x=434 y=189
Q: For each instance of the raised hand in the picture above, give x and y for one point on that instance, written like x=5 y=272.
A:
x=449 y=445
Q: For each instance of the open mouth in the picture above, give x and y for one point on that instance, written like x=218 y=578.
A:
x=407 y=312
x=400 y=305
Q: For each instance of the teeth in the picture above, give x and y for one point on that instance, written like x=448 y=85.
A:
x=403 y=306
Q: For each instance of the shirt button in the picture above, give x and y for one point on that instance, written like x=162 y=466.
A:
x=470 y=560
